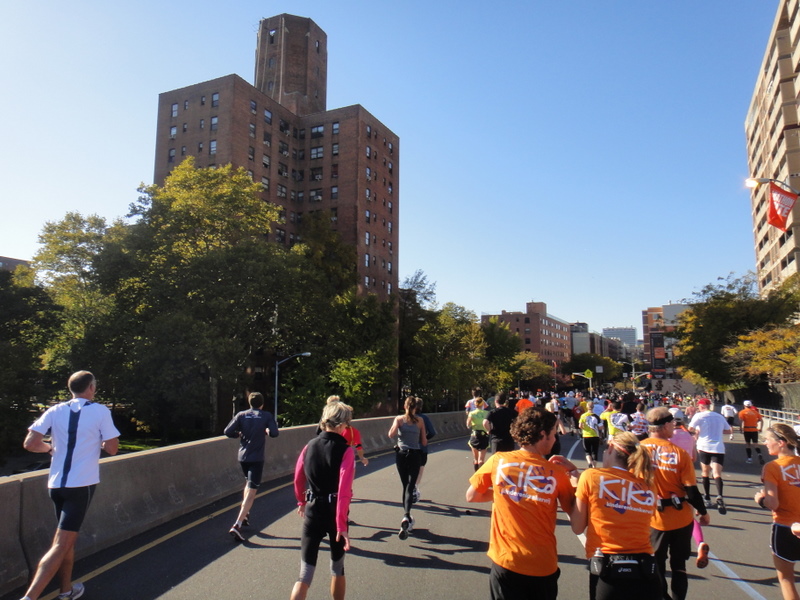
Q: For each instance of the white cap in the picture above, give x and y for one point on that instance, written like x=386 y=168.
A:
x=748 y=403
x=677 y=414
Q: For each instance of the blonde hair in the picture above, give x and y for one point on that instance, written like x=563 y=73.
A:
x=332 y=399
x=785 y=433
x=335 y=414
x=636 y=457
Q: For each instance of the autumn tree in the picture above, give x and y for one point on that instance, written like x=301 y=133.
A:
x=774 y=352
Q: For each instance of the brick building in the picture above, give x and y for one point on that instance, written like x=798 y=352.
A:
x=541 y=333
x=341 y=163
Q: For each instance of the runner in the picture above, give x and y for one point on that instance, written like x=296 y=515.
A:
x=710 y=429
x=479 y=439
x=729 y=412
x=616 y=503
x=781 y=495
x=411 y=436
x=750 y=426
x=521 y=569
x=591 y=431
x=676 y=485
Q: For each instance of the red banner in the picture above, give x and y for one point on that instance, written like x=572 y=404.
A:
x=781 y=203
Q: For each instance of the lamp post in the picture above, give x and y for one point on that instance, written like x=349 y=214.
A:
x=754 y=182
x=277 y=365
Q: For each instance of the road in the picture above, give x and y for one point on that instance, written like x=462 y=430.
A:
x=445 y=557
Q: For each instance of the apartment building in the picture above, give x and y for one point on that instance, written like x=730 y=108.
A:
x=341 y=164
x=541 y=333
x=773 y=146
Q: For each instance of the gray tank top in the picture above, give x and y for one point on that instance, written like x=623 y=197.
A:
x=408 y=436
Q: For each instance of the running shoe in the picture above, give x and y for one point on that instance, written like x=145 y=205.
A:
x=709 y=503
x=721 y=505
x=415 y=496
x=760 y=459
x=76 y=592
x=246 y=520
x=749 y=461
x=410 y=524
x=405 y=526
x=702 y=555
x=236 y=532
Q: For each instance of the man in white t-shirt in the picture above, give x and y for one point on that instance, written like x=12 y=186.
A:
x=79 y=429
x=710 y=428
x=728 y=411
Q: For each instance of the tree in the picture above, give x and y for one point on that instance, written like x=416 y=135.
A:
x=773 y=352
x=579 y=363
x=718 y=316
x=502 y=350
x=27 y=319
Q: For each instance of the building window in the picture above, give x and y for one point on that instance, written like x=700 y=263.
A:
x=202 y=100
x=315 y=195
x=390 y=247
x=369 y=195
x=250 y=174
x=267 y=139
x=334 y=216
x=316 y=45
x=214 y=123
x=271 y=63
x=200 y=147
x=171 y=155
x=316 y=152
x=253 y=107
x=335 y=127
x=298 y=174
x=283 y=170
x=389 y=267
x=335 y=150
x=252 y=130
x=283 y=148
x=302 y=134
x=265 y=161
x=390 y=227
x=369 y=131
x=212 y=147
x=316 y=174
x=183 y=150
x=391 y=207
x=173 y=132
x=301 y=197
x=390 y=168
x=389 y=287
x=215 y=100
x=335 y=192
x=369 y=152
x=391 y=148
x=391 y=189
x=185 y=127
x=335 y=171
x=366 y=281
x=271 y=36
x=317 y=131
x=265 y=183
x=267 y=116
x=202 y=123
x=281 y=191
x=251 y=153
x=366 y=260
x=280 y=235
x=366 y=215
x=299 y=154
x=174 y=110
x=366 y=238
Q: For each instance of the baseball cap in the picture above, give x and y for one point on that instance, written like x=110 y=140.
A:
x=677 y=414
x=705 y=401
x=748 y=403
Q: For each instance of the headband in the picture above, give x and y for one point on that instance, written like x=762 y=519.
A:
x=663 y=420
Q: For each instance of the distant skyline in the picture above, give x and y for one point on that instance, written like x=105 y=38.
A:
x=586 y=155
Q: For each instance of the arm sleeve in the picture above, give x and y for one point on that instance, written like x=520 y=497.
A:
x=232 y=430
x=345 y=493
x=272 y=426
x=107 y=429
x=695 y=499
x=300 y=478
x=42 y=424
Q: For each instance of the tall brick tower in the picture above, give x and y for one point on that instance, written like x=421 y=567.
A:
x=292 y=63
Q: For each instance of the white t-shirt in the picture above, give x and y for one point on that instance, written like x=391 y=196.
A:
x=728 y=411
x=710 y=427
x=94 y=425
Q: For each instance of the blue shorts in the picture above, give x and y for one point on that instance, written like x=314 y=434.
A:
x=71 y=505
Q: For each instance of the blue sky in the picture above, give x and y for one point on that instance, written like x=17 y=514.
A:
x=587 y=154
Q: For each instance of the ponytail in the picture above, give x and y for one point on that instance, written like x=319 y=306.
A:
x=411 y=409
x=636 y=456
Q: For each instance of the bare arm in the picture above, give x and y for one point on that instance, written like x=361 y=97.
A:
x=474 y=495
x=395 y=426
x=111 y=446
x=579 y=517
x=34 y=442
x=769 y=494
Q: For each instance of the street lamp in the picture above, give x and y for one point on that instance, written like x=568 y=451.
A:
x=277 y=365
x=754 y=182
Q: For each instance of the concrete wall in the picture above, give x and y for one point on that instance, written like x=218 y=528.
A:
x=142 y=490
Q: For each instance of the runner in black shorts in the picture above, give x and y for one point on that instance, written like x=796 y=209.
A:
x=706 y=458
x=71 y=505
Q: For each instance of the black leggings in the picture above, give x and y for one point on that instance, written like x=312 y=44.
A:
x=320 y=520
x=408 y=464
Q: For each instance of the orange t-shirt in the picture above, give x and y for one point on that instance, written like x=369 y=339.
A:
x=674 y=471
x=749 y=419
x=526 y=488
x=784 y=471
x=620 y=509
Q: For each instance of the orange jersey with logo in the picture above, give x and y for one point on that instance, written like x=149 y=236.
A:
x=749 y=419
x=620 y=509
x=674 y=471
x=784 y=472
x=526 y=489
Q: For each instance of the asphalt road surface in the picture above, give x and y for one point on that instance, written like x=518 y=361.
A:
x=445 y=556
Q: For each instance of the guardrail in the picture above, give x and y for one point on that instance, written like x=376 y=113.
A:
x=141 y=490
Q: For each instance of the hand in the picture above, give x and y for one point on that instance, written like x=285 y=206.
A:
x=562 y=461
x=796 y=529
x=704 y=519
x=301 y=510
x=341 y=535
x=364 y=461
x=759 y=496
